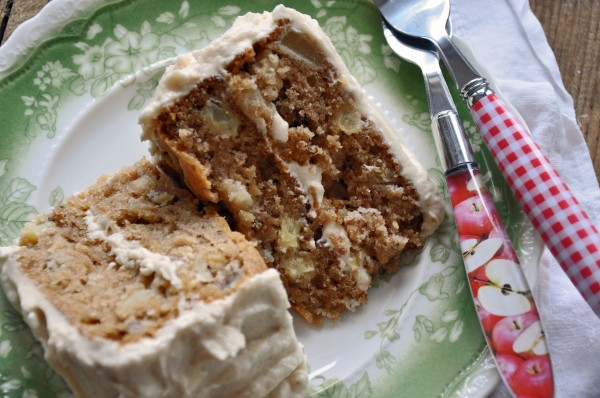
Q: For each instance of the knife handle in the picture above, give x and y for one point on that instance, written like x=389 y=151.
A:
x=561 y=221
x=505 y=306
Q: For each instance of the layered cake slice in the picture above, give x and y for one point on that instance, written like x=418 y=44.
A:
x=134 y=291
x=267 y=122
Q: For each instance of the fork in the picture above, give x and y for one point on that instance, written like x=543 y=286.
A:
x=496 y=279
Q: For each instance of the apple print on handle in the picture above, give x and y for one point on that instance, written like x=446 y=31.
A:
x=503 y=299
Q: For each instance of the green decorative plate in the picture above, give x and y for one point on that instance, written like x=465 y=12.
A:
x=73 y=81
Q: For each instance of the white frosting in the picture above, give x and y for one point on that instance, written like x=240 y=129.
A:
x=363 y=279
x=188 y=70
x=243 y=345
x=237 y=193
x=130 y=253
x=333 y=228
x=279 y=127
x=309 y=177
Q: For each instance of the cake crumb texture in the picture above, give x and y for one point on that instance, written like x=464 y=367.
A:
x=281 y=142
x=87 y=255
x=135 y=290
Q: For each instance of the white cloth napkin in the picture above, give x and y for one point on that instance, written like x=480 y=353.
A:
x=509 y=41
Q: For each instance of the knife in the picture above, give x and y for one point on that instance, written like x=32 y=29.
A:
x=501 y=294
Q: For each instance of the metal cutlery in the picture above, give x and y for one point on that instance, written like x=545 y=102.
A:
x=561 y=221
x=498 y=286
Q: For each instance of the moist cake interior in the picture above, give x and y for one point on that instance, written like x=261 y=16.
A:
x=73 y=257
x=282 y=144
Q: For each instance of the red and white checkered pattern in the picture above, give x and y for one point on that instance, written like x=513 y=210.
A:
x=560 y=220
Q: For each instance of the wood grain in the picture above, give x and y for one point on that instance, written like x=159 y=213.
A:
x=572 y=28
x=19 y=11
x=573 y=31
x=5 y=10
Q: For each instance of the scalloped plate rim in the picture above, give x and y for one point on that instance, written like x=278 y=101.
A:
x=21 y=35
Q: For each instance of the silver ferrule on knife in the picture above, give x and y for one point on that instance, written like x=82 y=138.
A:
x=451 y=140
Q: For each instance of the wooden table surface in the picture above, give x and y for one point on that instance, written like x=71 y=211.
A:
x=572 y=28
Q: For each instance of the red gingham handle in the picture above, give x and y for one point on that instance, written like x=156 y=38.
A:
x=555 y=213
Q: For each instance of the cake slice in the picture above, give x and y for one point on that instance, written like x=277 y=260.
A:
x=267 y=122
x=134 y=291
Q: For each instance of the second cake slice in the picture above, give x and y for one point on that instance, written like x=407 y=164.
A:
x=135 y=292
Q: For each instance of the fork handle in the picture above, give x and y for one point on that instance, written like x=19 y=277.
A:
x=561 y=221
x=498 y=285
